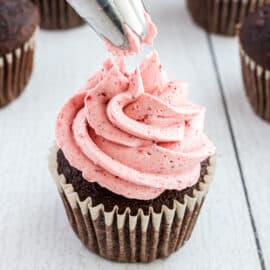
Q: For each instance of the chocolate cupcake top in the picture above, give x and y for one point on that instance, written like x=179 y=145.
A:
x=18 y=21
x=255 y=36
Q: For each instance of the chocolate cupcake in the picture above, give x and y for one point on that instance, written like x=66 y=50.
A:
x=132 y=163
x=18 y=24
x=57 y=14
x=221 y=16
x=254 y=38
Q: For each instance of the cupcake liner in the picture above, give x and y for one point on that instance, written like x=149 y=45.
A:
x=222 y=16
x=257 y=85
x=57 y=14
x=127 y=238
x=15 y=71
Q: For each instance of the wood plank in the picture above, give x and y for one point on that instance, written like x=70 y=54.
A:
x=251 y=136
x=34 y=231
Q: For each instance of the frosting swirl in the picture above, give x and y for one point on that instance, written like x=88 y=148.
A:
x=135 y=134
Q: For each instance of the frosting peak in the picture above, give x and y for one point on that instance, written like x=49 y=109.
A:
x=134 y=41
x=135 y=134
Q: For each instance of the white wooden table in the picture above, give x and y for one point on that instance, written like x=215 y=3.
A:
x=233 y=229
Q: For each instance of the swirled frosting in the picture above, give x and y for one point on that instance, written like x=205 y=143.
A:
x=134 y=41
x=135 y=134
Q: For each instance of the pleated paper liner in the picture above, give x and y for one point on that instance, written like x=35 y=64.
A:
x=221 y=16
x=15 y=71
x=127 y=238
x=57 y=14
x=257 y=85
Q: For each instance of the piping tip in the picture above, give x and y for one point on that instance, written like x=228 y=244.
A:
x=109 y=17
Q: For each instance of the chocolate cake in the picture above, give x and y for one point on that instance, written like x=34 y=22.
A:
x=254 y=39
x=255 y=36
x=221 y=16
x=57 y=14
x=100 y=195
x=18 y=21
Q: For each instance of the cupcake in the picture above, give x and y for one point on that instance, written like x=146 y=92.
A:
x=18 y=24
x=57 y=14
x=132 y=163
x=221 y=16
x=254 y=39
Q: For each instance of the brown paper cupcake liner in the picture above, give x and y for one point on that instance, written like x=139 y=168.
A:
x=257 y=85
x=57 y=14
x=128 y=238
x=15 y=71
x=222 y=16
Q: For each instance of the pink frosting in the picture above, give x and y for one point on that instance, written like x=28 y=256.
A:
x=134 y=134
x=134 y=40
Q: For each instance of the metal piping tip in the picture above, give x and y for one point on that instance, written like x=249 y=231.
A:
x=108 y=18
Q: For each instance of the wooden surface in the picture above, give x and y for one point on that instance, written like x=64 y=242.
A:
x=233 y=229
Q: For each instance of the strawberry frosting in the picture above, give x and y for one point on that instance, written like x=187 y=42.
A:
x=135 y=134
x=134 y=41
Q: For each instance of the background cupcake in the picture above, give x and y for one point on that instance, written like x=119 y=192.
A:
x=18 y=23
x=254 y=38
x=134 y=169
x=57 y=14
x=222 y=16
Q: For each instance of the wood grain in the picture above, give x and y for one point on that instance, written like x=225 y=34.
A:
x=34 y=231
x=251 y=137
